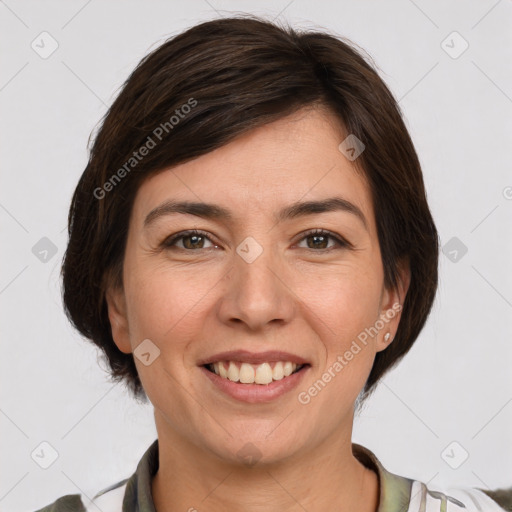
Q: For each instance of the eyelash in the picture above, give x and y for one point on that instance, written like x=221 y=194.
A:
x=169 y=242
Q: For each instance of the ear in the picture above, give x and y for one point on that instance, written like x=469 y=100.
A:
x=392 y=302
x=116 y=305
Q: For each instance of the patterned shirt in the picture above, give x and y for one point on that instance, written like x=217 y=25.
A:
x=396 y=493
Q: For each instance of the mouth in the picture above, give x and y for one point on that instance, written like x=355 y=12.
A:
x=261 y=374
x=243 y=385
x=254 y=377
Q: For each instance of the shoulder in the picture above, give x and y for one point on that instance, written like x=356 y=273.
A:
x=501 y=496
x=130 y=494
x=68 y=503
x=455 y=499
x=399 y=493
x=107 y=500
x=421 y=499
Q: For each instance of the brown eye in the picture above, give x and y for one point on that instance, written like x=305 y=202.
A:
x=319 y=239
x=191 y=240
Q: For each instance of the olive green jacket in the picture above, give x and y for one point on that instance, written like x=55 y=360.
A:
x=397 y=493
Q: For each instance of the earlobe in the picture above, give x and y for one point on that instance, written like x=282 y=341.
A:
x=392 y=305
x=117 y=315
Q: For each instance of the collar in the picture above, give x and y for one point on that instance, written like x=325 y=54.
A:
x=395 y=490
x=394 y=494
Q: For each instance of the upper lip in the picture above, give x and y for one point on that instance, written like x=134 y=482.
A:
x=244 y=356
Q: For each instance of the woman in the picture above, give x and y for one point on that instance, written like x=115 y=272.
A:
x=251 y=247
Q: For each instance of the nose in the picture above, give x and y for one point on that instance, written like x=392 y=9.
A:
x=257 y=293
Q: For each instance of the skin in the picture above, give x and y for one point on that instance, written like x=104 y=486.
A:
x=200 y=297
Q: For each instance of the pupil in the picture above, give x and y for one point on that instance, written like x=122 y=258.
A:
x=194 y=239
x=316 y=237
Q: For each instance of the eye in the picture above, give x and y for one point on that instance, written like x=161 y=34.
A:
x=320 y=237
x=194 y=240
x=191 y=239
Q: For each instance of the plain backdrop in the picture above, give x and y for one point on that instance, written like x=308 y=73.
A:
x=443 y=416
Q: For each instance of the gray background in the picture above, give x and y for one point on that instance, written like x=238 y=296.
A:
x=454 y=386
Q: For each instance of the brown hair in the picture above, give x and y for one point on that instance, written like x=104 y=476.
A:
x=236 y=74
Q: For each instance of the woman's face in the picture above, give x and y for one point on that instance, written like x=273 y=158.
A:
x=256 y=280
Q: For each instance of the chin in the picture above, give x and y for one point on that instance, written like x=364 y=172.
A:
x=256 y=447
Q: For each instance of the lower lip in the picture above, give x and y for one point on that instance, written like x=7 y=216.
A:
x=256 y=393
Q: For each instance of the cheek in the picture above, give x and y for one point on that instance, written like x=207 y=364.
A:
x=345 y=299
x=167 y=307
x=343 y=306
x=343 y=314
x=165 y=304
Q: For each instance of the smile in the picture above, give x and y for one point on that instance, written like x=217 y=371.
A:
x=246 y=373
x=251 y=391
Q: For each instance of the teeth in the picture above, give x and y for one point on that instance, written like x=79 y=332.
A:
x=249 y=374
x=222 y=370
x=233 y=372
x=246 y=373
x=288 y=368
x=263 y=374
x=277 y=372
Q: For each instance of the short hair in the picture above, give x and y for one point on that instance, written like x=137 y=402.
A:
x=236 y=74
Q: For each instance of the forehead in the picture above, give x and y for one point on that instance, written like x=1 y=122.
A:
x=293 y=159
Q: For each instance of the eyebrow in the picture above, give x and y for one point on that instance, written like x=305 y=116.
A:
x=293 y=211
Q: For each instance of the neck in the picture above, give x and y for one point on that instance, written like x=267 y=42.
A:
x=326 y=478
